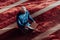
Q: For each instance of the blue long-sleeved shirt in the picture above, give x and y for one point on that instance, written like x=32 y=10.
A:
x=23 y=18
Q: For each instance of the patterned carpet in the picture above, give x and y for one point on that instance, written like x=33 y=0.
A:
x=54 y=36
x=9 y=17
x=46 y=20
x=4 y=3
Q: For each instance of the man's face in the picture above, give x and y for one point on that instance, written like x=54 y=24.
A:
x=22 y=10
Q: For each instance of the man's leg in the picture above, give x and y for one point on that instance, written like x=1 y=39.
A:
x=21 y=28
x=31 y=28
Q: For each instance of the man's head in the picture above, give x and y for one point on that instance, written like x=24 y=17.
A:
x=23 y=9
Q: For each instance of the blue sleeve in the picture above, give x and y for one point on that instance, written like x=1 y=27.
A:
x=19 y=22
x=30 y=18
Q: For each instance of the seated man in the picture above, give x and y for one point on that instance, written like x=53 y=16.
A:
x=22 y=19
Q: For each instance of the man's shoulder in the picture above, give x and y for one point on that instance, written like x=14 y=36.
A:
x=27 y=12
x=19 y=14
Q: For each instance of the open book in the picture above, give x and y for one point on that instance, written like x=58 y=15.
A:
x=34 y=25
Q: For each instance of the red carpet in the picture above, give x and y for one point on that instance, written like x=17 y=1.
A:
x=32 y=6
x=46 y=20
x=54 y=36
x=4 y=3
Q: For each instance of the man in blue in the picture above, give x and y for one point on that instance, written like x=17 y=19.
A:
x=22 y=19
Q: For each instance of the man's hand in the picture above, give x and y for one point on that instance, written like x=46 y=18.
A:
x=34 y=21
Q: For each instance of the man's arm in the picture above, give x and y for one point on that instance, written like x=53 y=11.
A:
x=28 y=14
x=31 y=18
x=18 y=20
